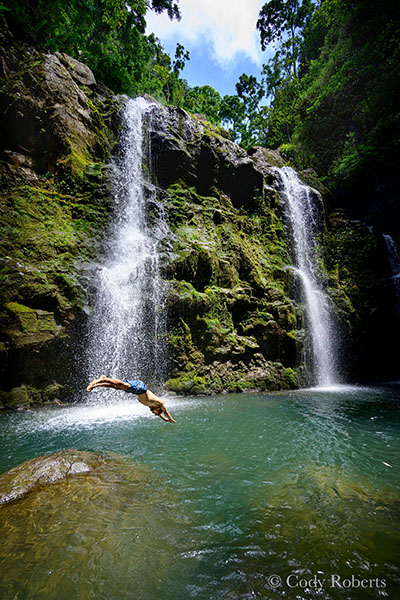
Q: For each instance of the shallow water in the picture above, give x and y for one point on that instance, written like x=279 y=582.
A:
x=245 y=489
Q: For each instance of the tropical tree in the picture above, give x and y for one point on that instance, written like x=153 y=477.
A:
x=108 y=35
x=243 y=114
x=204 y=100
x=284 y=21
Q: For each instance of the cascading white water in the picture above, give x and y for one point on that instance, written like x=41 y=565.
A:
x=302 y=215
x=127 y=325
x=394 y=261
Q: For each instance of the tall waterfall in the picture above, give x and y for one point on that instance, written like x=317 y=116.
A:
x=302 y=216
x=394 y=261
x=127 y=325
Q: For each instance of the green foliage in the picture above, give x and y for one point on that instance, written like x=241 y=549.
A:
x=242 y=113
x=233 y=113
x=181 y=56
x=284 y=20
x=288 y=152
x=251 y=121
x=108 y=36
x=348 y=118
x=334 y=82
x=333 y=86
x=204 y=100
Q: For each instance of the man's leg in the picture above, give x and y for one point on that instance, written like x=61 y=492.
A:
x=101 y=378
x=103 y=381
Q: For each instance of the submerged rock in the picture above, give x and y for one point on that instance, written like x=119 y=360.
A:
x=45 y=470
x=73 y=520
x=324 y=515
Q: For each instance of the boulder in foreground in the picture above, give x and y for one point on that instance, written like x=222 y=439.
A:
x=45 y=470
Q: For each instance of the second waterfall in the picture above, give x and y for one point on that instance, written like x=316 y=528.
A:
x=303 y=218
x=127 y=325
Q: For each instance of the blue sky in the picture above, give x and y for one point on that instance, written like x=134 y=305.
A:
x=221 y=37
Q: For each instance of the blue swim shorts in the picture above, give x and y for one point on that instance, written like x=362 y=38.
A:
x=137 y=386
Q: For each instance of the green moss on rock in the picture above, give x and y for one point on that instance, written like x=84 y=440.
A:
x=231 y=289
x=27 y=326
x=59 y=129
x=188 y=383
x=25 y=396
x=20 y=397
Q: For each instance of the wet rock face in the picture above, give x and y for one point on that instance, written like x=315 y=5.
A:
x=45 y=116
x=33 y=338
x=189 y=149
x=233 y=326
x=57 y=130
x=27 y=326
x=79 y=72
x=361 y=285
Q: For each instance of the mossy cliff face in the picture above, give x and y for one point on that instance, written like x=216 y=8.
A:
x=237 y=321
x=233 y=326
x=58 y=128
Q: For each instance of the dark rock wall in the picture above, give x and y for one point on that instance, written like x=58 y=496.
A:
x=360 y=283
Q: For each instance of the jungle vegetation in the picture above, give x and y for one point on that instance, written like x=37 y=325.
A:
x=328 y=98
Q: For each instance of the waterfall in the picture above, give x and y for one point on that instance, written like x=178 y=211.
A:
x=127 y=325
x=394 y=262
x=302 y=217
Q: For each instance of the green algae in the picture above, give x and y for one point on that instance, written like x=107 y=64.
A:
x=43 y=232
x=231 y=287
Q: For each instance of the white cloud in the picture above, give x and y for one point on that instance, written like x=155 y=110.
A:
x=226 y=27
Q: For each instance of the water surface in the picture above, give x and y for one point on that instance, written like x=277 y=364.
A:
x=244 y=488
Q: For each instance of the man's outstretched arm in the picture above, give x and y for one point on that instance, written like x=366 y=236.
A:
x=164 y=418
x=165 y=411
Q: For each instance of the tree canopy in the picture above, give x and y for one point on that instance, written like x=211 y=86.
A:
x=107 y=35
x=329 y=94
x=332 y=85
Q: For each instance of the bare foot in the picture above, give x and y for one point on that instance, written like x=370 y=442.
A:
x=91 y=384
